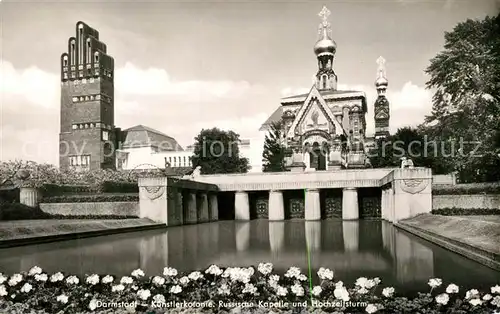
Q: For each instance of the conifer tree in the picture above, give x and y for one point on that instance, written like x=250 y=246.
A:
x=273 y=156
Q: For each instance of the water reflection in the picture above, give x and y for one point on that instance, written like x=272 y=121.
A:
x=351 y=248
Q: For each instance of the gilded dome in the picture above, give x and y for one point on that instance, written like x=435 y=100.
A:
x=381 y=81
x=325 y=44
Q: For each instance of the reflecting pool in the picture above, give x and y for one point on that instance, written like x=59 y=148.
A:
x=351 y=248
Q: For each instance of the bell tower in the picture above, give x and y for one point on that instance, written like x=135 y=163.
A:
x=325 y=49
x=381 y=107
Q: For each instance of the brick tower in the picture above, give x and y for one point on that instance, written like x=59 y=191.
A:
x=382 y=109
x=88 y=136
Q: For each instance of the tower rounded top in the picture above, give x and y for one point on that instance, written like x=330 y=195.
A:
x=381 y=81
x=325 y=45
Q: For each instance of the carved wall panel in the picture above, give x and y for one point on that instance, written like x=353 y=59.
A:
x=333 y=207
x=153 y=192
x=262 y=208
x=296 y=208
x=414 y=186
x=370 y=207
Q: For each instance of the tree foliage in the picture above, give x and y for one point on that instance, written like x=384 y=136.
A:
x=273 y=156
x=217 y=151
x=414 y=144
x=466 y=104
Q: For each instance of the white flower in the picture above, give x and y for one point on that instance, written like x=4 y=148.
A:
x=159 y=299
x=443 y=298
x=435 y=282
x=93 y=304
x=487 y=297
x=184 y=280
x=361 y=282
x=169 y=272
x=495 y=289
x=158 y=281
x=292 y=272
x=496 y=301
x=126 y=280
x=195 y=275
x=107 y=279
x=143 y=294
x=388 y=292
x=377 y=280
x=3 y=291
x=297 y=289
x=224 y=289
x=471 y=294
x=281 y=291
x=370 y=284
x=317 y=290
x=72 y=280
x=137 y=273
x=62 y=298
x=93 y=279
x=26 y=288
x=362 y=291
x=475 y=302
x=41 y=277
x=176 y=289
x=341 y=293
x=239 y=274
x=117 y=288
x=3 y=278
x=325 y=274
x=371 y=308
x=57 y=277
x=302 y=277
x=339 y=284
x=452 y=288
x=15 y=279
x=250 y=289
x=214 y=270
x=265 y=268
x=134 y=287
x=35 y=270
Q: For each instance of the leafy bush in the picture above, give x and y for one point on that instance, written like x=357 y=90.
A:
x=92 y=198
x=57 y=189
x=467 y=189
x=217 y=290
x=119 y=187
x=465 y=212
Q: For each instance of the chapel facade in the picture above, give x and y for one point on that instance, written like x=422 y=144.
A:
x=325 y=129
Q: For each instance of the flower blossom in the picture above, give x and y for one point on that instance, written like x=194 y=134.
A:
x=93 y=304
x=370 y=308
x=214 y=270
x=176 y=289
x=184 y=280
x=144 y=294
x=496 y=301
x=443 y=298
x=137 y=273
x=388 y=292
x=72 y=280
x=126 y=280
x=452 y=288
x=15 y=279
x=297 y=289
x=159 y=299
x=435 y=282
x=195 y=275
x=107 y=279
x=325 y=274
x=471 y=294
x=117 y=288
x=250 y=289
x=224 y=290
x=487 y=297
x=26 y=288
x=3 y=291
x=93 y=279
x=169 y=272
x=265 y=268
x=317 y=290
x=62 y=298
x=4 y=278
x=158 y=281
x=57 y=277
x=475 y=302
x=281 y=291
x=292 y=272
x=495 y=289
x=41 y=277
x=341 y=293
x=35 y=270
x=242 y=275
x=361 y=282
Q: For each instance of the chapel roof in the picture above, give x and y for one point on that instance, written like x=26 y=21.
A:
x=144 y=136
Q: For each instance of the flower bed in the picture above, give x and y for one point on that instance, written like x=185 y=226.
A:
x=216 y=289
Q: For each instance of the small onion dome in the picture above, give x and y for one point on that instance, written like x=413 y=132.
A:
x=325 y=45
x=381 y=81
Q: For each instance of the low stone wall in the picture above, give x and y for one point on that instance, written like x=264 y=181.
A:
x=97 y=208
x=444 y=179
x=466 y=201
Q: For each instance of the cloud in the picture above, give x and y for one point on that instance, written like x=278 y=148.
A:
x=131 y=80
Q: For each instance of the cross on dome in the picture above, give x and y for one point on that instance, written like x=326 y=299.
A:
x=324 y=14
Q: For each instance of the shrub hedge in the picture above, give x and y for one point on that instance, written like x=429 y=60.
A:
x=467 y=189
x=92 y=198
x=454 y=211
x=119 y=187
x=17 y=211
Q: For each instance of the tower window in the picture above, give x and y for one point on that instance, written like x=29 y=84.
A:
x=75 y=99
x=89 y=51
x=74 y=126
x=65 y=61
x=105 y=135
x=96 y=57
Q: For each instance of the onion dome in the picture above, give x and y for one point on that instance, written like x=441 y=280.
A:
x=381 y=81
x=325 y=45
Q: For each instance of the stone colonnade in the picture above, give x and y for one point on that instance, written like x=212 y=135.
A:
x=312 y=205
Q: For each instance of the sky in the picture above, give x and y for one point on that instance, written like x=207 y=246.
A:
x=184 y=66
